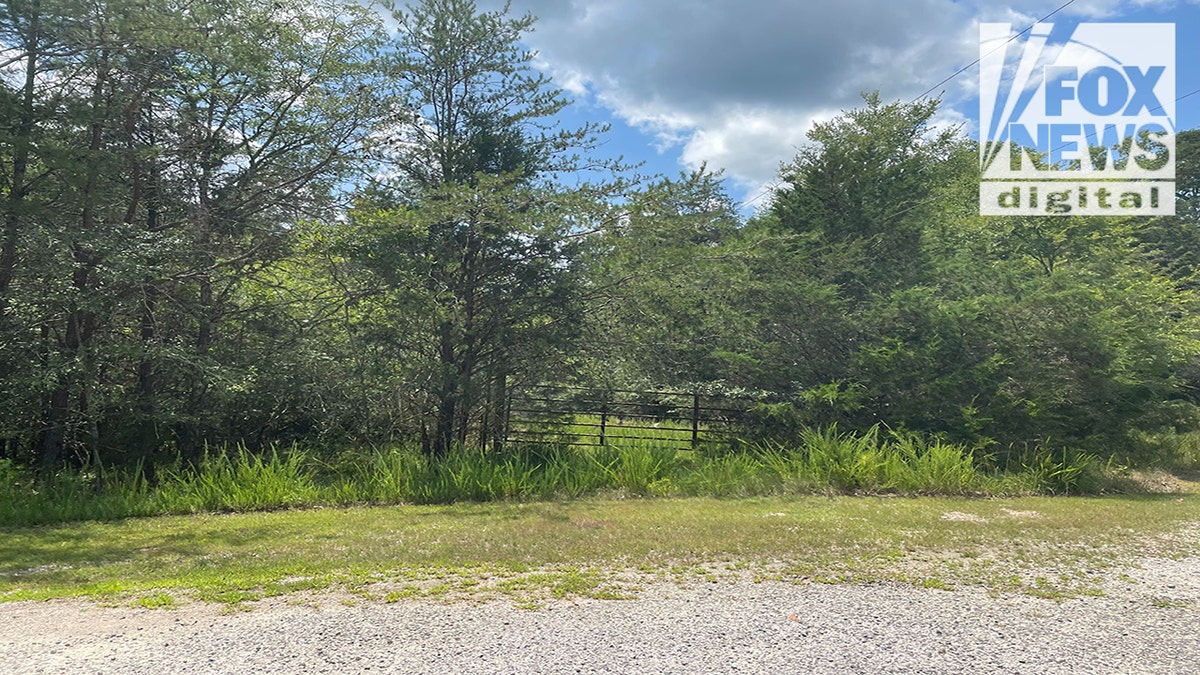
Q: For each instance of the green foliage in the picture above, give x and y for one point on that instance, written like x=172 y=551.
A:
x=875 y=462
x=989 y=332
x=468 y=240
x=865 y=186
x=68 y=496
x=239 y=480
x=820 y=460
x=736 y=475
x=164 y=155
x=662 y=283
x=261 y=223
x=1064 y=472
x=637 y=467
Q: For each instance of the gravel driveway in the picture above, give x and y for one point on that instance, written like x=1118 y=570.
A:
x=1151 y=626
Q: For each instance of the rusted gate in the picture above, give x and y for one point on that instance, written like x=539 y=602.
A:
x=594 y=417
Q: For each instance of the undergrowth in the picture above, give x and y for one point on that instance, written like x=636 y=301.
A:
x=820 y=461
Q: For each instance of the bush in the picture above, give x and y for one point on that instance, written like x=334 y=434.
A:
x=820 y=460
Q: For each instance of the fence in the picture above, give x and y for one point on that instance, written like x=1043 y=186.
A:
x=583 y=416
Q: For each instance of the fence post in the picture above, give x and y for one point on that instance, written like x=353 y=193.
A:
x=695 y=419
x=504 y=414
x=603 y=422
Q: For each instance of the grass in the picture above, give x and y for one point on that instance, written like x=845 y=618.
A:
x=243 y=481
x=821 y=461
x=157 y=600
x=533 y=552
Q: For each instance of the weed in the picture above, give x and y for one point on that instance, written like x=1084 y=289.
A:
x=1169 y=603
x=157 y=601
x=821 y=461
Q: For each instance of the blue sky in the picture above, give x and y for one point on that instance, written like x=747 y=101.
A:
x=736 y=84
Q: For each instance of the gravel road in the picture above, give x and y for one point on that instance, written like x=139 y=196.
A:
x=1151 y=626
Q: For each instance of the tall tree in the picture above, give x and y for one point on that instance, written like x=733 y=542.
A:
x=161 y=159
x=470 y=230
x=866 y=185
x=663 y=287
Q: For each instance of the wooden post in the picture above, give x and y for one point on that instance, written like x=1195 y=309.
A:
x=603 y=422
x=695 y=419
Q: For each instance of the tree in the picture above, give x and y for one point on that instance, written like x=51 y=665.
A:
x=161 y=160
x=663 y=282
x=866 y=185
x=469 y=231
x=1174 y=242
x=873 y=292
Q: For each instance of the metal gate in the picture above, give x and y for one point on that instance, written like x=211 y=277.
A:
x=583 y=416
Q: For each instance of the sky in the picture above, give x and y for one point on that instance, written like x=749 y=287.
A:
x=736 y=84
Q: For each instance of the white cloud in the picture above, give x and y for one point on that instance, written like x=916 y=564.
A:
x=737 y=84
x=749 y=143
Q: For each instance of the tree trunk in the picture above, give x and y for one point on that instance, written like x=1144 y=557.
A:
x=446 y=394
x=498 y=410
x=20 y=161
x=81 y=322
x=147 y=404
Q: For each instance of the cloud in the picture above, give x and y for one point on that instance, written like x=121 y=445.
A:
x=736 y=84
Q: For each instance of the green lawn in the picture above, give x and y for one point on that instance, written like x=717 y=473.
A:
x=1053 y=546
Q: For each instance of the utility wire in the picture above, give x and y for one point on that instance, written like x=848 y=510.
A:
x=974 y=63
x=767 y=190
x=762 y=193
x=1190 y=93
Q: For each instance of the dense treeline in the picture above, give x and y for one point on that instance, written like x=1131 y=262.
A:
x=265 y=221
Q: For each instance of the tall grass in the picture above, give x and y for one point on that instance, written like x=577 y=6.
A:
x=872 y=463
x=821 y=460
x=239 y=480
x=637 y=467
x=69 y=496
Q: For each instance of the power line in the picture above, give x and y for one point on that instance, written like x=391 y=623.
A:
x=1190 y=93
x=767 y=190
x=761 y=193
x=974 y=63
